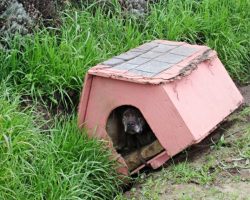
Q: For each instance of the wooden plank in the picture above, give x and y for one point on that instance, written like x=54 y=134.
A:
x=140 y=156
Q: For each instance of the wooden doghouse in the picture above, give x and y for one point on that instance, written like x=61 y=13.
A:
x=182 y=90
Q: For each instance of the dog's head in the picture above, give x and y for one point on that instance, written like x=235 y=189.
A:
x=133 y=121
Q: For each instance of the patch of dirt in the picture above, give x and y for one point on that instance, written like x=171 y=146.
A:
x=238 y=190
x=245 y=91
x=46 y=110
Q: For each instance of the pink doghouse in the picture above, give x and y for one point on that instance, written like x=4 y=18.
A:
x=182 y=90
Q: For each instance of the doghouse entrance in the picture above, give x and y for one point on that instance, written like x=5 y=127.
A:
x=131 y=135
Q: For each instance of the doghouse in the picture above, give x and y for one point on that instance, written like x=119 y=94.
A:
x=183 y=91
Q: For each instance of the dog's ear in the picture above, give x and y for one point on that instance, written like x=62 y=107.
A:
x=142 y=121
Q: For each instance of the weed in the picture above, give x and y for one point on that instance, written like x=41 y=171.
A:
x=51 y=64
x=64 y=164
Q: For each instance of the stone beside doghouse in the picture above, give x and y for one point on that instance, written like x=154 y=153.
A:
x=182 y=90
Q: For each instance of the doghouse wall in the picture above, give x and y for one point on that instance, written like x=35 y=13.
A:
x=105 y=94
x=205 y=97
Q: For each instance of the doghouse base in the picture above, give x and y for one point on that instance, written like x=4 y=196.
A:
x=182 y=90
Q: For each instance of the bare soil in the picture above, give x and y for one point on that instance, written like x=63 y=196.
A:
x=238 y=190
x=245 y=91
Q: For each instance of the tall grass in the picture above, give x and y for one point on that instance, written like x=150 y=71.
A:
x=49 y=65
x=52 y=63
x=221 y=25
x=63 y=164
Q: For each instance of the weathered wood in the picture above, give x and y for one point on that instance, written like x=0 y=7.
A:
x=140 y=156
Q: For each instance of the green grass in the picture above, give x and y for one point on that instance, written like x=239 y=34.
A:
x=61 y=163
x=222 y=25
x=51 y=64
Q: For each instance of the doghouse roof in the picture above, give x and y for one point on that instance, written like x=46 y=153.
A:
x=155 y=62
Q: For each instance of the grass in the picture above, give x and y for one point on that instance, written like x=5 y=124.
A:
x=51 y=64
x=222 y=25
x=61 y=163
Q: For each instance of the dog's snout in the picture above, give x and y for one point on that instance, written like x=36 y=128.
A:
x=131 y=124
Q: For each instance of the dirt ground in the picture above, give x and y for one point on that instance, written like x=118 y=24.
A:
x=245 y=91
x=217 y=168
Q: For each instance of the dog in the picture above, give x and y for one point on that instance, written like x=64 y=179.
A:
x=136 y=129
